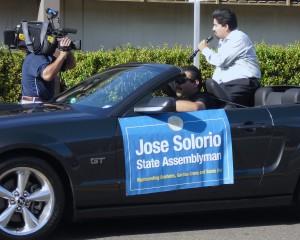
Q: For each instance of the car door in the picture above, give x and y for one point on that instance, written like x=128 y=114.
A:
x=281 y=171
x=251 y=130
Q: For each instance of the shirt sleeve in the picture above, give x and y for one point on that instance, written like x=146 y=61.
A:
x=229 y=50
x=205 y=100
x=37 y=65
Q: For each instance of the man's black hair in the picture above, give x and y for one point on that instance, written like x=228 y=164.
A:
x=225 y=16
x=195 y=72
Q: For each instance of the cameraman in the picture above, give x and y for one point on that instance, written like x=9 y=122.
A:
x=39 y=71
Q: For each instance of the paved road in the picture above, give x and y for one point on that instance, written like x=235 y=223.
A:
x=262 y=224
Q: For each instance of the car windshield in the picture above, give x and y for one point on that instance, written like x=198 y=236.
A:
x=108 y=88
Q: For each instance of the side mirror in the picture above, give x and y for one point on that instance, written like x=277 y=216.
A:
x=157 y=105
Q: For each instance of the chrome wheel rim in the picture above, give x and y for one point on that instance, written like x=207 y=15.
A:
x=26 y=201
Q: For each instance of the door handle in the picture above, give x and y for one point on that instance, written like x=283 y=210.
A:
x=252 y=126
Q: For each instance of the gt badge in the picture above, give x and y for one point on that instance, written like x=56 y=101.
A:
x=96 y=161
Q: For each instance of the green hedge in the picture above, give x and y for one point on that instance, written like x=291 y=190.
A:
x=10 y=75
x=279 y=65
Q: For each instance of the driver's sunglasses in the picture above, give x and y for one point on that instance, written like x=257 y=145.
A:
x=183 y=80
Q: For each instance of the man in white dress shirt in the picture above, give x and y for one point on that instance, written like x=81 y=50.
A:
x=237 y=69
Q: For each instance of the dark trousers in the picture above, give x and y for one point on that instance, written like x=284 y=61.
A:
x=242 y=90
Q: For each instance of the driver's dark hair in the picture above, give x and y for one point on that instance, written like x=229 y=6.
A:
x=195 y=72
x=225 y=16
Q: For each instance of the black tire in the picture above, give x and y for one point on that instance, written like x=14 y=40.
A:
x=31 y=199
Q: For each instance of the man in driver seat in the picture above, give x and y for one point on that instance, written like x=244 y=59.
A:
x=188 y=91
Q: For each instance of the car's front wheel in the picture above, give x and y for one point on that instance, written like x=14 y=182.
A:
x=31 y=199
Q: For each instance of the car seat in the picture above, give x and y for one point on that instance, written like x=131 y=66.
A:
x=220 y=97
x=270 y=96
x=291 y=95
x=266 y=96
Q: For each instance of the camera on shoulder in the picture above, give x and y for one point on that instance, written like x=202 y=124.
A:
x=39 y=37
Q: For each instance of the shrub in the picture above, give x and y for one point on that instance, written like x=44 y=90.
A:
x=279 y=65
x=10 y=75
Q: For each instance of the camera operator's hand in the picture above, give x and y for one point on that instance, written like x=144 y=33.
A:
x=65 y=44
x=64 y=56
x=65 y=52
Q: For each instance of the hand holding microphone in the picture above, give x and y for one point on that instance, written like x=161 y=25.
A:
x=207 y=40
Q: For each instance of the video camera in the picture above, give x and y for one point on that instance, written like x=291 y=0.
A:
x=39 y=37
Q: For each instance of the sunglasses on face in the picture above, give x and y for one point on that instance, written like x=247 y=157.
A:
x=183 y=81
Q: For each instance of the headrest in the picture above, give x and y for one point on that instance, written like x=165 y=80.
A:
x=274 y=98
x=221 y=100
x=261 y=95
x=267 y=96
x=291 y=95
x=212 y=87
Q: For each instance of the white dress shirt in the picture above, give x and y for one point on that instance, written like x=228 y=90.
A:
x=235 y=58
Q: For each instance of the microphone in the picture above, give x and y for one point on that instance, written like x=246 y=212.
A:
x=191 y=57
x=209 y=39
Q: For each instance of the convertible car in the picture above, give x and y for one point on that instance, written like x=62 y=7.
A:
x=72 y=156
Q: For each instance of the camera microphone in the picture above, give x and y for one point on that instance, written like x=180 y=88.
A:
x=69 y=30
x=191 y=57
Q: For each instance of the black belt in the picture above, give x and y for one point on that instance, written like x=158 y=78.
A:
x=241 y=81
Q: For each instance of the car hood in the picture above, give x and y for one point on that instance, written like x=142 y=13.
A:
x=14 y=109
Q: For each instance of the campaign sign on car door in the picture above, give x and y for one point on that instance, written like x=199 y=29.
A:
x=177 y=151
